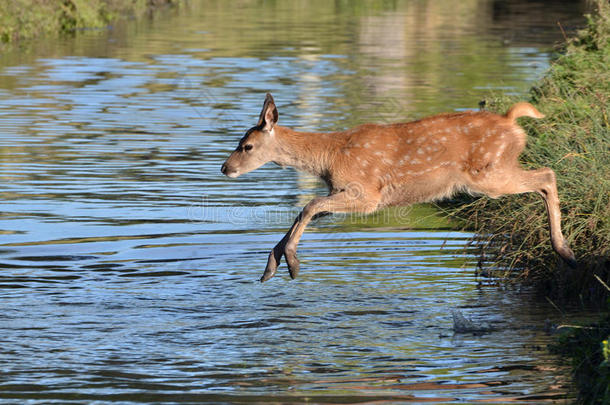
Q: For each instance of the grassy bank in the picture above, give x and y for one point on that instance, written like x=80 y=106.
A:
x=27 y=19
x=574 y=140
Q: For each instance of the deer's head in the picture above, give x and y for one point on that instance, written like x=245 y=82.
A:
x=258 y=145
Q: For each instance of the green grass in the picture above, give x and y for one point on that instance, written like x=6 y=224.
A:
x=27 y=19
x=573 y=140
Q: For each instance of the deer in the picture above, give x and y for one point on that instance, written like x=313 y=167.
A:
x=373 y=166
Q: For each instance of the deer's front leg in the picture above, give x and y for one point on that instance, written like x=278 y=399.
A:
x=276 y=255
x=345 y=201
x=281 y=249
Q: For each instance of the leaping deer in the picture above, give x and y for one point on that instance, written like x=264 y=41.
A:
x=373 y=166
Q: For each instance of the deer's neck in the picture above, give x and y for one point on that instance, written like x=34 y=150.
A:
x=306 y=151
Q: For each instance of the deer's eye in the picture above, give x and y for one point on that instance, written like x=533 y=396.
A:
x=248 y=147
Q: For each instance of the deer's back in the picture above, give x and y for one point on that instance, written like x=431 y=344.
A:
x=425 y=159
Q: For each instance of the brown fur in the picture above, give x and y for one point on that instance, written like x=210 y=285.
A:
x=374 y=166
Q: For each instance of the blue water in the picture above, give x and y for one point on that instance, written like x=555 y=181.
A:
x=129 y=264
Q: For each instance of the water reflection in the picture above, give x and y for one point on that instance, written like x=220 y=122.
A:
x=129 y=263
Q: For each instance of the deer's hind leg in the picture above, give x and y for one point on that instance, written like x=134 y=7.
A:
x=541 y=181
x=347 y=201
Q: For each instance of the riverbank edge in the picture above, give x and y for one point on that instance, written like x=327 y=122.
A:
x=23 y=20
x=573 y=140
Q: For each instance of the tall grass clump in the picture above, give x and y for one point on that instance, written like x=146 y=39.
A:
x=573 y=140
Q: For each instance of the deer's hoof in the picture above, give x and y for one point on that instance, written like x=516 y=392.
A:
x=567 y=255
x=271 y=268
x=570 y=259
x=267 y=275
x=293 y=263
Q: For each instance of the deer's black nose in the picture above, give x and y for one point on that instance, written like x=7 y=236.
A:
x=223 y=169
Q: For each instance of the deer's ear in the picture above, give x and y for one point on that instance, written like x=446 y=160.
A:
x=269 y=114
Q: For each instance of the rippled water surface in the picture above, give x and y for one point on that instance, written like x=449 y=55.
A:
x=129 y=264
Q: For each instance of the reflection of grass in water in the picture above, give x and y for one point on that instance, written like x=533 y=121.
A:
x=416 y=217
x=24 y=19
x=398 y=236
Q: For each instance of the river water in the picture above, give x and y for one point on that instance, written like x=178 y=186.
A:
x=129 y=264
